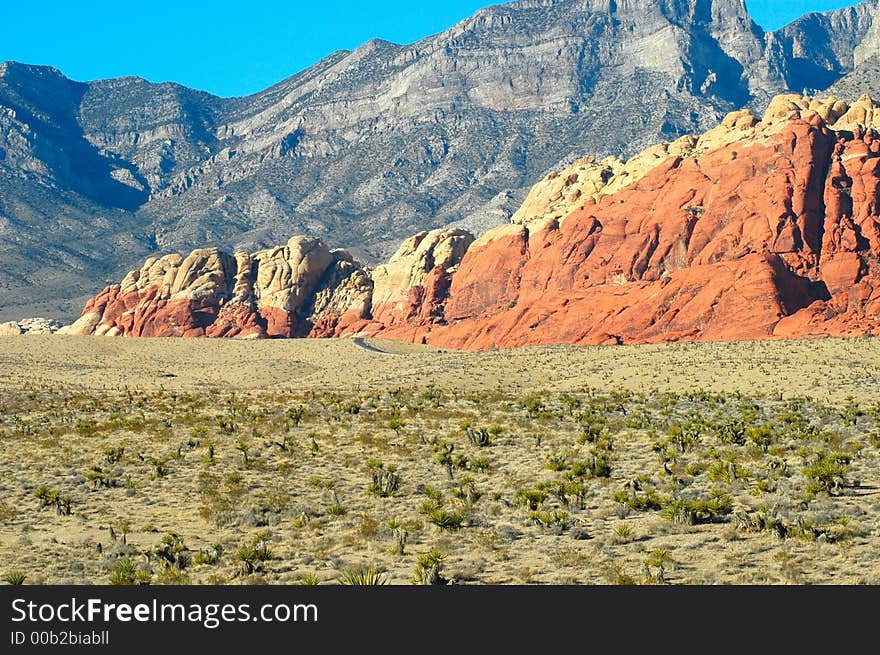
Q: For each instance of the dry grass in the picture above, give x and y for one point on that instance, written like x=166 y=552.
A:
x=289 y=461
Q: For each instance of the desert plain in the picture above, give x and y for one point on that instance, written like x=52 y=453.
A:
x=150 y=461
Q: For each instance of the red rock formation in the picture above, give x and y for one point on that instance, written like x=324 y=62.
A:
x=281 y=292
x=755 y=230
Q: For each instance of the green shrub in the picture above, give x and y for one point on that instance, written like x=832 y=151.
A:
x=384 y=480
x=656 y=563
x=429 y=568
x=762 y=436
x=308 y=580
x=254 y=552
x=16 y=577
x=732 y=432
x=446 y=520
x=828 y=473
x=172 y=553
x=699 y=510
x=530 y=498
x=124 y=572
x=645 y=501
x=556 y=520
x=363 y=577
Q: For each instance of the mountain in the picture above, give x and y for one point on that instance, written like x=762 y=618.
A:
x=369 y=146
x=865 y=79
x=752 y=230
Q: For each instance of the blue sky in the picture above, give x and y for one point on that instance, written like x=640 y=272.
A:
x=233 y=47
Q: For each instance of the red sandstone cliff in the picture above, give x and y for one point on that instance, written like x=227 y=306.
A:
x=754 y=230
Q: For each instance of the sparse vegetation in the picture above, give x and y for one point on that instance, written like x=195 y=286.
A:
x=613 y=482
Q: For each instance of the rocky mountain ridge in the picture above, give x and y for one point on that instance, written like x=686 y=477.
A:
x=755 y=229
x=367 y=147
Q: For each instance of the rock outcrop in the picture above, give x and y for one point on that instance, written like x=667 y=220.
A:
x=281 y=292
x=756 y=229
x=415 y=282
x=30 y=326
x=368 y=147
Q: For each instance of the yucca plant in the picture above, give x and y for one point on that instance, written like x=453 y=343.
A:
x=429 y=568
x=656 y=563
x=385 y=480
x=16 y=577
x=124 y=572
x=363 y=577
x=308 y=580
x=530 y=498
x=446 y=520
x=623 y=531
x=254 y=552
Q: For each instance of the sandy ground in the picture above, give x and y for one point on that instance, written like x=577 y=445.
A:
x=824 y=369
x=226 y=445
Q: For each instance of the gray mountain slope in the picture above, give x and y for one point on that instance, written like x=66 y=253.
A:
x=864 y=79
x=370 y=146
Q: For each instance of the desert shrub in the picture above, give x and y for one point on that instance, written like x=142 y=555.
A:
x=639 y=501
x=433 y=493
x=850 y=412
x=99 y=477
x=114 y=455
x=466 y=491
x=443 y=455
x=656 y=563
x=597 y=466
x=54 y=498
x=479 y=437
x=308 y=580
x=684 y=436
x=446 y=519
x=221 y=496
x=557 y=463
x=531 y=498
x=623 y=531
x=593 y=427
x=762 y=436
x=7 y=512
x=556 y=520
x=535 y=407
x=384 y=479
x=124 y=572
x=160 y=466
x=368 y=526
x=828 y=473
x=698 y=510
x=616 y=575
x=761 y=521
x=337 y=509
x=732 y=432
x=429 y=568
x=254 y=552
x=208 y=557
x=396 y=425
x=295 y=415
x=364 y=577
x=478 y=463
x=174 y=577
x=16 y=577
x=728 y=472
x=172 y=553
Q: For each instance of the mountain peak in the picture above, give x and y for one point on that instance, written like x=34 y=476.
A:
x=31 y=70
x=366 y=147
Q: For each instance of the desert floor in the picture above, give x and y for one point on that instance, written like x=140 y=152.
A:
x=171 y=461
